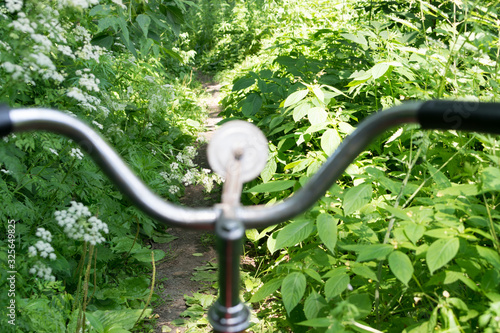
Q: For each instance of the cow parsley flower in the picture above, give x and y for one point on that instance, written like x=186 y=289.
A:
x=76 y=152
x=44 y=234
x=23 y=24
x=97 y=124
x=77 y=94
x=79 y=224
x=14 y=5
x=42 y=271
x=174 y=189
x=42 y=248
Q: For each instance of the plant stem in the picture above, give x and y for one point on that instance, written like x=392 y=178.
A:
x=152 y=287
x=496 y=242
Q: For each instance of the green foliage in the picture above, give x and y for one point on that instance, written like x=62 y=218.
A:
x=407 y=238
x=105 y=65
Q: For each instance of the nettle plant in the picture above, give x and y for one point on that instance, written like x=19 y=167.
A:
x=407 y=238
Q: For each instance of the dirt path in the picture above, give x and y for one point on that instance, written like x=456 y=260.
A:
x=174 y=276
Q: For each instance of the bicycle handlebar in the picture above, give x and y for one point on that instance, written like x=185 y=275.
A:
x=468 y=116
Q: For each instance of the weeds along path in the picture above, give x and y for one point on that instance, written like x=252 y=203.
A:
x=192 y=249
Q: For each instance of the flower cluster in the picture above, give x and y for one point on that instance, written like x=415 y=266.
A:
x=77 y=153
x=42 y=249
x=184 y=171
x=42 y=271
x=79 y=224
x=14 y=5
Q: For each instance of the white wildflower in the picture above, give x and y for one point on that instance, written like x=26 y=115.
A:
x=189 y=177
x=14 y=5
x=174 y=189
x=66 y=50
x=83 y=4
x=76 y=152
x=22 y=24
x=174 y=166
x=80 y=225
x=97 y=124
x=43 y=42
x=43 y=61
x=53 y=151
x=77 y=94
x=165 y=176
x=44 y=234
x=5 y=46
x=89 y=51
x=119 y=3
x=89 y=82
x=16 y=70
x=42 y=271
x=190 y=151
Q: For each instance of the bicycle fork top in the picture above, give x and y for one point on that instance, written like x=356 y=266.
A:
x=238 y=152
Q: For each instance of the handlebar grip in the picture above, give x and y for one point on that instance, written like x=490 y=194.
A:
x=463 y=115
x=5 y=121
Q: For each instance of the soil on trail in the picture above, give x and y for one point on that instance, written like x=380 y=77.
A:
x=174 y=275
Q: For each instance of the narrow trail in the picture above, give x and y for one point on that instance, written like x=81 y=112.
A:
x=174 y=276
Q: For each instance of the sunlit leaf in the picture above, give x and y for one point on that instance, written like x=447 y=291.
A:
x=292 y=290
x=336 y=285
x=441 y=252
x=295 y=97
x=327 y=230
x=401 y=266
x=357 y=197
x=294 y=233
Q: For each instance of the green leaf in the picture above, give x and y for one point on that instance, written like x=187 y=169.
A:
x=363 y=304
x=292 y=290
x=374 y=252
x=243 y=83
x=123 y=319
x=313 y=305
x=295 y=97
x=330 y=140
x=441 y=252
x=336 y=285
x=317 y=116
x=401 y=266
x=380 y=69
x=144 y=255
x=94 y=322
x=294 y=233
x=312 y=273
x=461 y=189
x=300 y=111
x=490 y=178
x=357 y=197
x=489 y=255
x=269 y=170
x=276 y=186
x=319 y=93
x=316 y=322
x=327 y=230
x=251 y=105
x=414 y=232
x=144 y=22
x=364 y=271
x=441 y=180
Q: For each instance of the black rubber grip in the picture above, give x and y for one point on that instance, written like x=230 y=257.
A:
x=463 y=116
x=5 y=122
